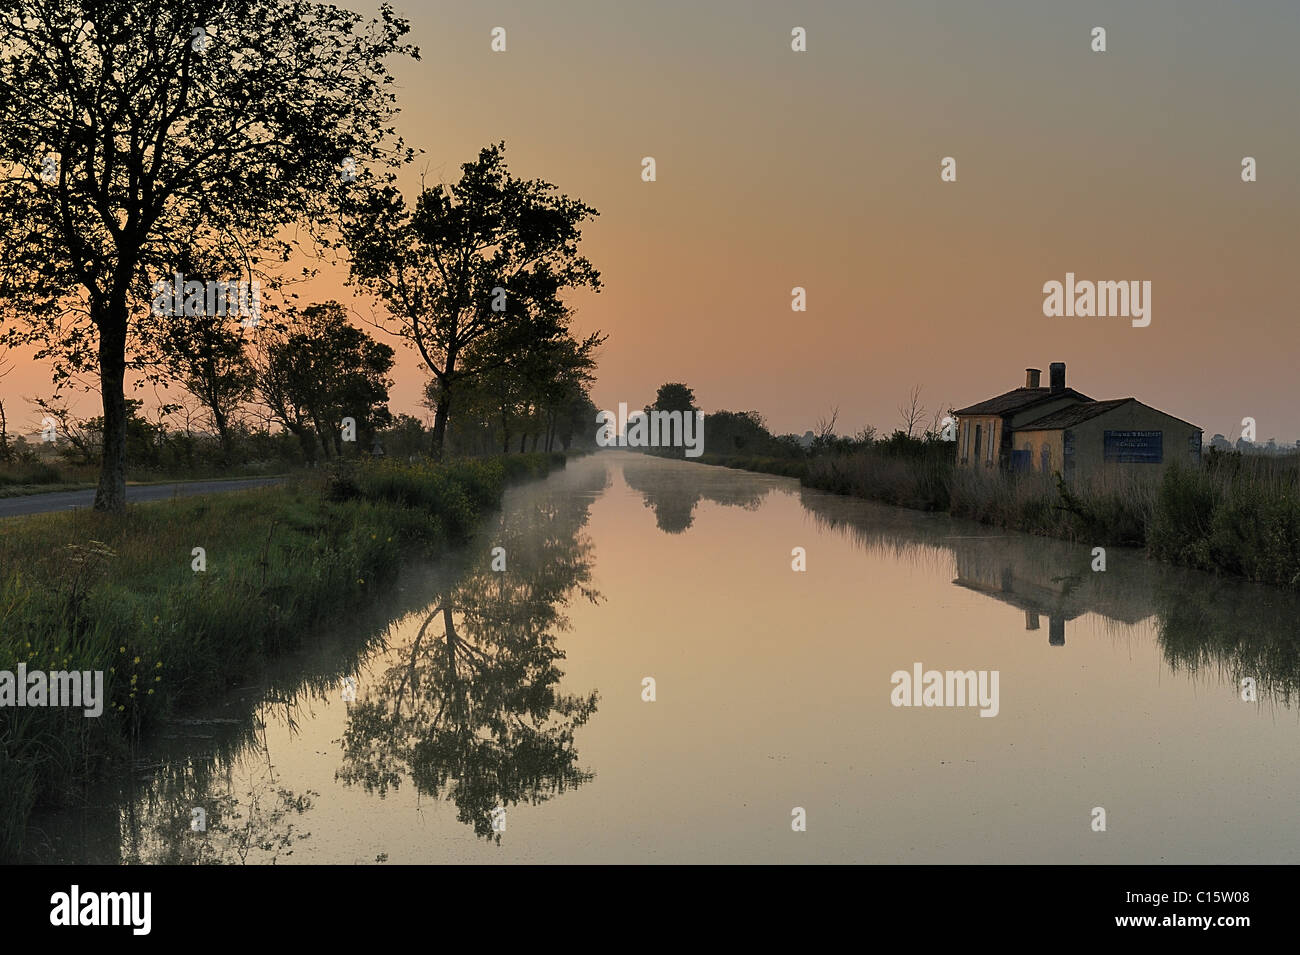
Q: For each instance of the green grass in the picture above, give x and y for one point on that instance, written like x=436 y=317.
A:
x=33 y=474
x=1236 y=518
x=89 y=591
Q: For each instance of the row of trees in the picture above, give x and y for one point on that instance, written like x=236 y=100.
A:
x=308 y=372
x=747 y=432
x=214 y=138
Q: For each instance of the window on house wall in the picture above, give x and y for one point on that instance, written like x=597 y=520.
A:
x=992 y=434
x=1045 y=457
x=979 y=434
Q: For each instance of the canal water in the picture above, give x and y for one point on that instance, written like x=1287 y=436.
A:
x=502 y=716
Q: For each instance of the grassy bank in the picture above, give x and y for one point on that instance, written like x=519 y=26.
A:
x=1234 y=515
x=89 y=591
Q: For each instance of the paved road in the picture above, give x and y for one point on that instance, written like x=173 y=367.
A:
x=66 y=500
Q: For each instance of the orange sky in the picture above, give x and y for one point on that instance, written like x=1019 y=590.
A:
x=821 y=170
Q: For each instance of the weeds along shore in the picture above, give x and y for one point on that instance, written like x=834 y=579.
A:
x=1235 y=515
x=121 y=594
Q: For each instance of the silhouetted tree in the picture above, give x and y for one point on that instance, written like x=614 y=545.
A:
x=206 y=356
x=5 y=368
x=533 y=377
x=130 y=130
x=486 y=259
x=321 y=370
x=673 y=396
x=739 y=432
x=912 y=411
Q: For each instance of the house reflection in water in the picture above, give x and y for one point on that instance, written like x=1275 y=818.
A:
x=1055 y=627
x=1048 y=579
x=1228 y=629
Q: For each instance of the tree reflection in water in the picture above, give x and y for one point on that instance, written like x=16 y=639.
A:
x=673 y=492
x=469 y=709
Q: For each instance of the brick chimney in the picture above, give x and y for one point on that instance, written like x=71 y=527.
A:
x=1057 y=372
x=1032 y=377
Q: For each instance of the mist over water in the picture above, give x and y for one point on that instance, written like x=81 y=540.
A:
x=522 y=689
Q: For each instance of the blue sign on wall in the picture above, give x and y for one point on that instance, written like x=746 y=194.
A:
x=1133 y=447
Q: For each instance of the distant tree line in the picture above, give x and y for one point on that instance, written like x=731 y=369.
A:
x=746 y=433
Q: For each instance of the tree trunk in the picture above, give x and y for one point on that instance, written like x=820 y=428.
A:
x=110 y=496
x=321 y=435
x=223 y=434
x=306 y=439
x=441 y=411
x=336 y=436
x=449 y=625
x=442 y=407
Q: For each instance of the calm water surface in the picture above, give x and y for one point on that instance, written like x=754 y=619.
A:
x=523 y=689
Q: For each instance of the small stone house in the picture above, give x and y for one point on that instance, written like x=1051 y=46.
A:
x=1057 y=429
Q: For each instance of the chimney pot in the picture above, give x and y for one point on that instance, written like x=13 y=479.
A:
x=1057 y=372
x=1032 y=377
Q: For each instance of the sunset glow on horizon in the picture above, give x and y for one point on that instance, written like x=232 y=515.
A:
x=820 y=170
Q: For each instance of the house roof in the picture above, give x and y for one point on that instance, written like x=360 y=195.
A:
x=1075 y=414
x=1018 y=400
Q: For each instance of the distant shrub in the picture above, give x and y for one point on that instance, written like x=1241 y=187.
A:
x=341 y=482
x=33 y=471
